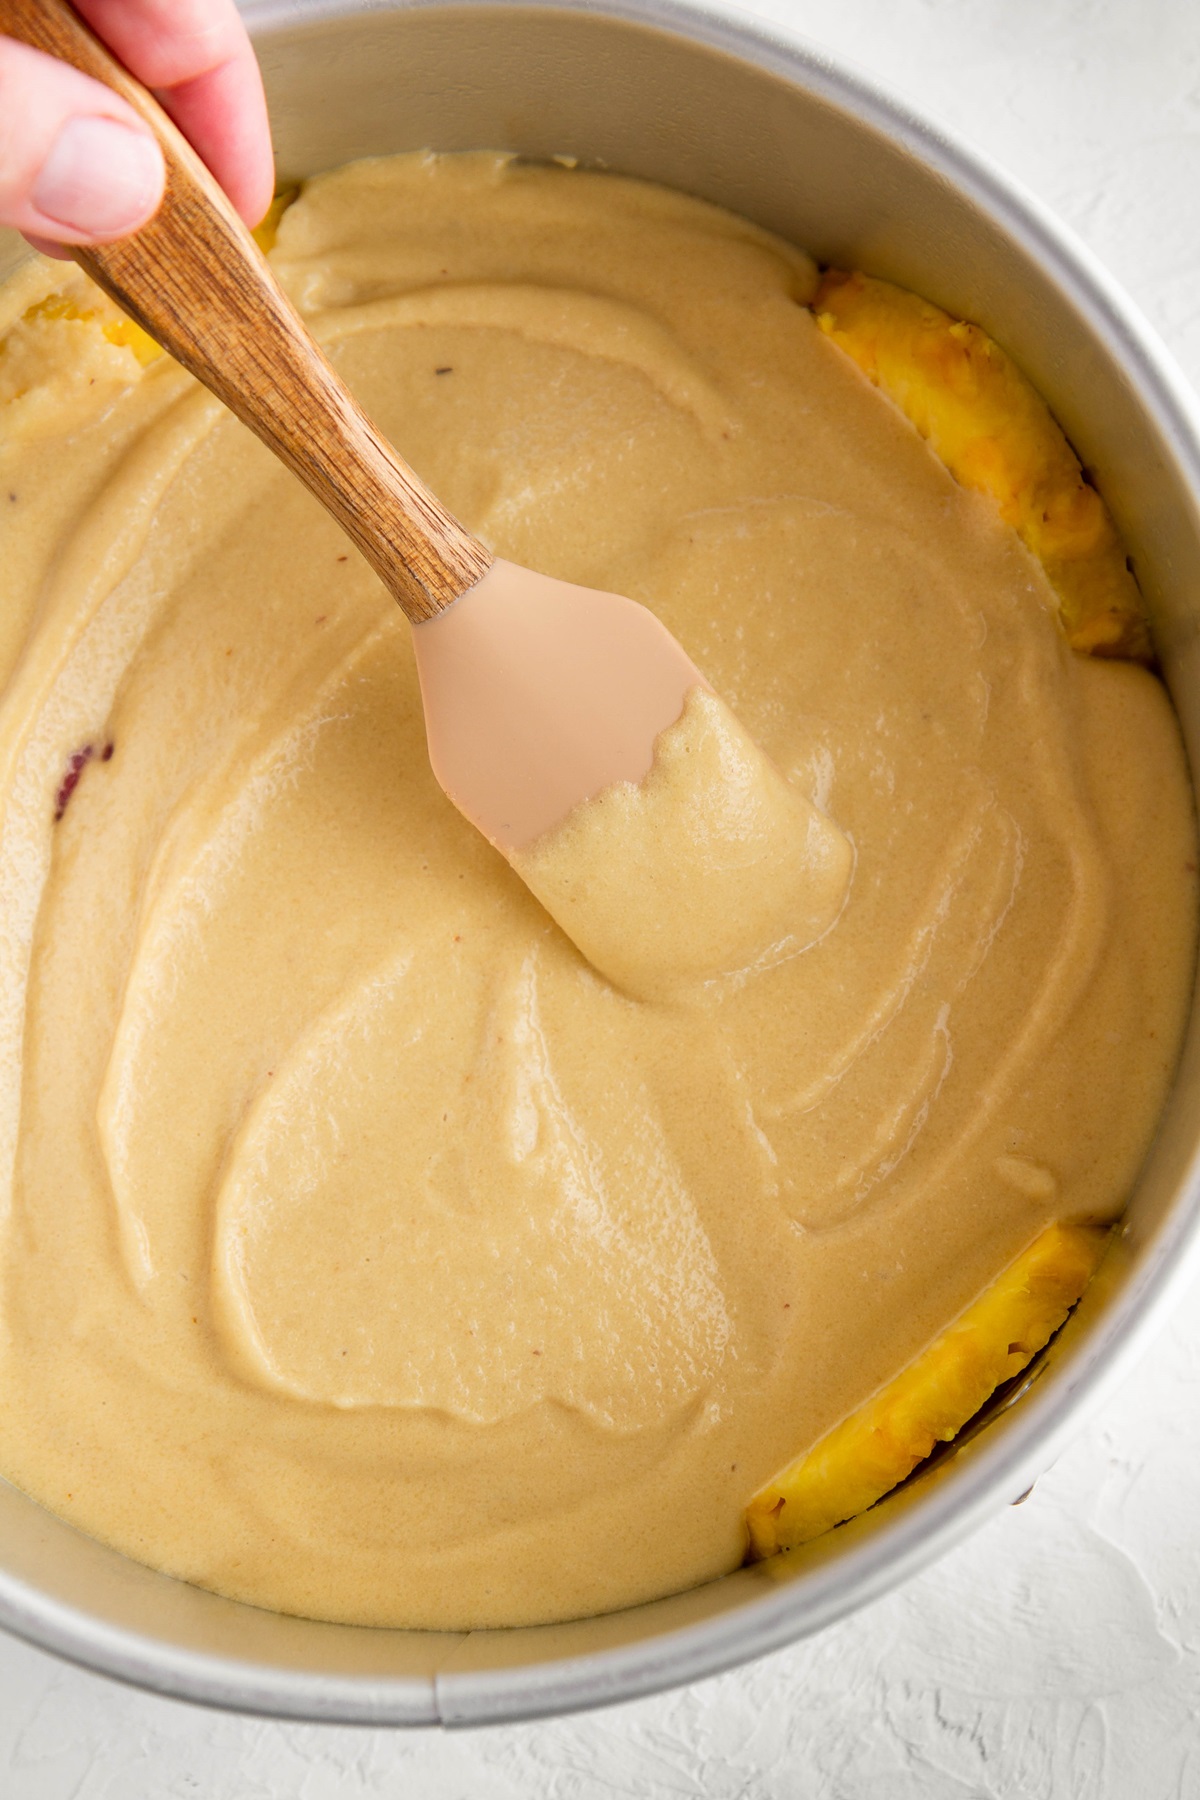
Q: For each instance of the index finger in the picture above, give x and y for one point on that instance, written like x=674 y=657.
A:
x=196 y=57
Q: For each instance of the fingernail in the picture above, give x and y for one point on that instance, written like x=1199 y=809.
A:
x=100 y=177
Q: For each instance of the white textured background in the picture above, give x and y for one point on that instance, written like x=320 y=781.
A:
x=1057 y=1655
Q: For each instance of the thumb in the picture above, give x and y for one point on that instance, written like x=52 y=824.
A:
x=77 y=165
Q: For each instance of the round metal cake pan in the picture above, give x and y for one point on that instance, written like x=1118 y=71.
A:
x=711 y=102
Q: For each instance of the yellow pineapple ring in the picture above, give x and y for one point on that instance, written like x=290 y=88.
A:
x=96 y=309
x=861 y=1459
x=267 y=229
x=111 y=321
x=995 y=434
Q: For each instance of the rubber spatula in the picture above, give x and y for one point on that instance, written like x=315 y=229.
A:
x=537 y=693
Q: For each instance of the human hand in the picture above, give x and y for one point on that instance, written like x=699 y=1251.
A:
x=78 y=166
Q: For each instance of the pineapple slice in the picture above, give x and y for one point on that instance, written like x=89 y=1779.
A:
x=113 y=323
x=995 y=434
x=267 y=229
x=856 y=1463
x=38 y=361
x=98 y=309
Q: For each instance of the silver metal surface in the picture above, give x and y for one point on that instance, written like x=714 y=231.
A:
x=710 y=102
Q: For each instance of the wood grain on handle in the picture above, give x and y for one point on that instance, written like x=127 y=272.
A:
x=196 y=280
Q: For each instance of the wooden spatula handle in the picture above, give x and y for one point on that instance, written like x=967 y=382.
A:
x=195 y=279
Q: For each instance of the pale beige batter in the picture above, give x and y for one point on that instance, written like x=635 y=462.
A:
x=712 y=866
x=365 y=1253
